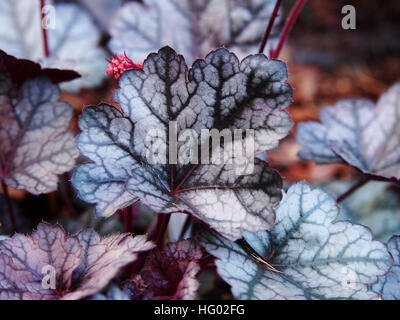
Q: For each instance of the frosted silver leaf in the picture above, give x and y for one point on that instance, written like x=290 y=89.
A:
x=102 y=259
x=357 y=132
x=81 y=265
x=102 y=10
x=193 y=28
x=35 y=144
x=374 y=205
x=312 y=136
x=388 y=285
x=217 y=92
x=73 y=43
x=23 y=259
x=318 y=258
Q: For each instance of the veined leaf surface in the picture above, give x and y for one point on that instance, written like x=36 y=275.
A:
x=317 y=257
x=81 y=265
x=217 y=92
x=359 y=133
x=35 y=144
x=193 y=28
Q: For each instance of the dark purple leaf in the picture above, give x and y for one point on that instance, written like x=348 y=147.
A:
x=170 y=273
x=20 y=70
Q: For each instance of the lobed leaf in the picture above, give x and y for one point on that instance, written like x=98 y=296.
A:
x=170 y=273
x=358 y=133
x=73 y=43
x=375 y=205
x=193 y=28
x=102 y=259
x=82 y=265
x=35 y=145
x=217 y=92
x=317 y=257
x=388 y=285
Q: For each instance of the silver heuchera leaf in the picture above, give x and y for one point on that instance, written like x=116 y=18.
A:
x=359 y=133
x=193 y=28
x=51 y=265
x=25 y=261
x=73 y=39
x=169 y=274
x=317 y=257
x=216 y=93
x=388 y=285
x=102 y=10
x=35 y=145
x=102 y=259
x=375 y=205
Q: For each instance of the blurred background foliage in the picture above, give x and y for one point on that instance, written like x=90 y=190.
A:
x=325 y=63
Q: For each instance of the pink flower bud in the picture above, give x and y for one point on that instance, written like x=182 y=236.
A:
x=119 y=64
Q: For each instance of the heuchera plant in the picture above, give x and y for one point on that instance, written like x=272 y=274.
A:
x=188 y=73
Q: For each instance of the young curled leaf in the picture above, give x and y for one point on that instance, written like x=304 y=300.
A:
x=359 y=133
x=388 y=285
x=170 y=273
x=35 y=144
x=317 y=258
x=193 y=28
x=52 y=265
x=216 y=93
